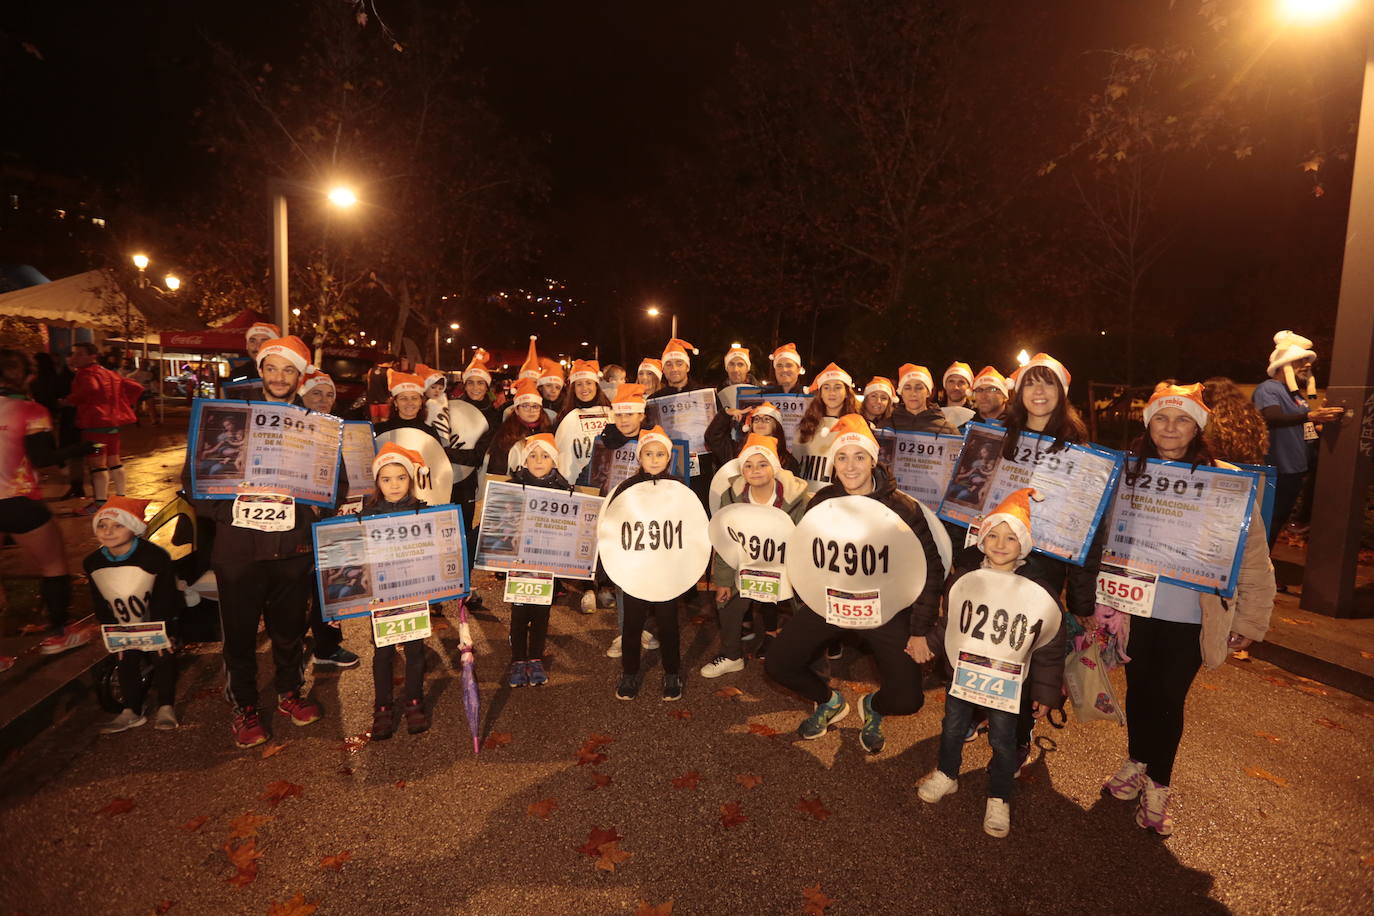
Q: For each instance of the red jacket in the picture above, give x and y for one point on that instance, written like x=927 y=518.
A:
x=103 y=398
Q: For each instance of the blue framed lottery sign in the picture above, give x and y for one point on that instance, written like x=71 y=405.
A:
x=1269 y=478
x=1076 y=484
x=366 y=562
x=921 y=463
x=791 y=406
x=268 y=446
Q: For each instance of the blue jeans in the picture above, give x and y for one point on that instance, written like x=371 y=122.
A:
x=1001 y=735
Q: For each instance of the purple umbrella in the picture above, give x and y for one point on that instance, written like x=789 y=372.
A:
x=471 y=703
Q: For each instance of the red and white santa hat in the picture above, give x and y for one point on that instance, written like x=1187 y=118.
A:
x=124 y=511
x=527 y=392
x=629 y=398
x=766 y=446
x=1015 y=511
x=1046 y=361
x=262 y=329
x=544 y=441
x=679 y=349
x=1187 y=398
x=1290 y=348
x=881 y=385
x=391 y=453
x=831 y=373
x=1014 y=380
x=766 y=409
x=430 y=376
x=911 y=371
x=739 y=353
x=550 y=372
x=958 y=370
x=403 y=382
x=655 y=434
x=788 y=351
x=531 y=368
x=478 y=367
x=989 y=377
x=852 y=429
x=585 y=370
x=291 y=348
x=649 y=364
x=315 y=378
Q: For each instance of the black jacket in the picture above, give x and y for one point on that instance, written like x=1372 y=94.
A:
x=640 y=477
x=373 y=505
x=554 y=480
x=930 y=420
x=116 y=599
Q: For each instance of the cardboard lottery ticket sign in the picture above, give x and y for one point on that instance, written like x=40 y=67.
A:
x=652 y=540
x=753 y=540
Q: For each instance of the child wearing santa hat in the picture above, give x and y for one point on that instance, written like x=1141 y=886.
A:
x=526 y=417
x=132 y=581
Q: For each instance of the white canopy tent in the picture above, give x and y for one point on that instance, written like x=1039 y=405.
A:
x=92 y=300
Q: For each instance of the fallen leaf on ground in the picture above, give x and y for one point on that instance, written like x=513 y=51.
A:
x=400 y=783
x=336 y=861
x=542 y=808
x=1368 y=655
x=195 y=823
x=683 y=714
x=163 y=906
x=729 y=693
x=599 y=781
x=1330 y=723
x=1241 y=655
x=814 y=900
x=497 y=739
x=279 y=791
x=273 y=750
x=813 y=807
x=749 y=780
x=596 y=839
x=1296 y=622
x=296 y=906
x=1275 y=739
x=645 y=908
x=597 y=740
x=117 y=806
x=355 y=743
x=244 y=857
x=758 y=728
x=731 y=816
x=1367 y=861
x=246 y=825
x=611 y=855
x=687 y=780
x=1313 y=691
x=587 y=755
x=1257 y=773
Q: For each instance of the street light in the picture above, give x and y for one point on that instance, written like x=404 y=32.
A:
x=1312 y=11
x=141 y=261
x=654 y=311
x=453 y=326
x=340 y=196
x=1022 y=358
x=343 y=197
x=172 y=282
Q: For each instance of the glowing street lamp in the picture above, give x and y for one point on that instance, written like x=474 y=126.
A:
x=172 y=282
x=343 y=197
x=1022 y=358
x=654 y=311
x=1312 y=11
x=141 y=261
x=453 y=326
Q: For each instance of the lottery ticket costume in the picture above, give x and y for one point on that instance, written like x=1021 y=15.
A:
x=638 y=611
x=529 y=623
x=384 y=657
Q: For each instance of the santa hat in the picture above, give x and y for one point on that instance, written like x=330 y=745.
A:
x=544 y=441
x=629 y=398
x=649 y=364
x=550 y=371
x=960 y=370
x=766 y=446
x=391 y=453
x=402 y=382
x=766 y=409
x=788 y=351
x=679 y=349
x=1290 y=348
x=1187 y=398
x=1015 y=511
x=655 y=434
x=919 y=373
x=742 y=353
x=124 y=511
x=831 y=373
x=1014 y=380
x=429 y=376
x=1048 y=362
x=989 y=377
x=527 y=392
x=531 y=367
x=314 y=378
x=291 y=348
x=261 y=329
x=880 y=384
x=852 y=429
x=585 y=370
x=478 y=367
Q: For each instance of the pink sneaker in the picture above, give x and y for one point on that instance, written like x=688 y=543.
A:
x=1151 y=814
x=1127 y=782
x=302 y=710
x=70 y=638
x=248 y=730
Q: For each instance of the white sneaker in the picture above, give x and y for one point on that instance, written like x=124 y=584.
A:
x=614 y=650
x=123 y=722
x=721 y=665
x=647 y=640
x=936 y=786
x=997 y=818
x=165 y=719
x=589 y=601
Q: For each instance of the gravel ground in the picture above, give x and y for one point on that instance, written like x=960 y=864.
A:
x=430 y=828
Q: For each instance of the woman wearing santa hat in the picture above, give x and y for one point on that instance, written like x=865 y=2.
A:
x=526 y=418
x=763 y=420
x=407 y=405
x=834 y=398
x=917 y=411
x=879 y=394
x=1184 y=629
x=650 y=375
x=583 y=391
x=551 y=383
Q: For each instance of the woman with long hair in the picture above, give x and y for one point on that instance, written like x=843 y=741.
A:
x=1237 y=431
x=527 y=418
x=583 y=390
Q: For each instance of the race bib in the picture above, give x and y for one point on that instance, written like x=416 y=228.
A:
x=988 y=682
x=853 y=610
x=264 y=512
x=402 y=623
x=1126 y=590
x=996 y=620
x=529 y=588
x=694 y=466
x=143 y=637
x=753 y=540
x=760 y=585
x=1309 y=432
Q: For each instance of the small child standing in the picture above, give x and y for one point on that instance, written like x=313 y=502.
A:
x=1001 y=637
x=529 y=623
x=132 y=581
x=393 y=472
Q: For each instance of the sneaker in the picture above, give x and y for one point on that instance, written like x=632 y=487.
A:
x=871 y=735
x=383 y=722
x=248 y=730
x=827 y=713
x=123 y=722
x=1127 y=782
x=1151 y=813
x=1022 y=758
x=302 y=710
x=605 y=597
x=749 y=634
x=71 y=637
x=721 y=665
x=834 y=650
x=342 y=658
x=518 y=676
x=417 y=720
x=973 y=731
x=535 y=674
x=588 y=605
x=936 y=786
x=613 y=651
x=647 y=640
x=997 y=818
x=90 y=508
x=629 y=687
x=165 y=719
x=672 y=688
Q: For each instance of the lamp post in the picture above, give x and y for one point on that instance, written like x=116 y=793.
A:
x=339 y=196
x=654 y=311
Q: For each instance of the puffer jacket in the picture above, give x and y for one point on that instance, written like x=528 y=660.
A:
x=792 y=497
x=103 y=398
x=930 y=420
